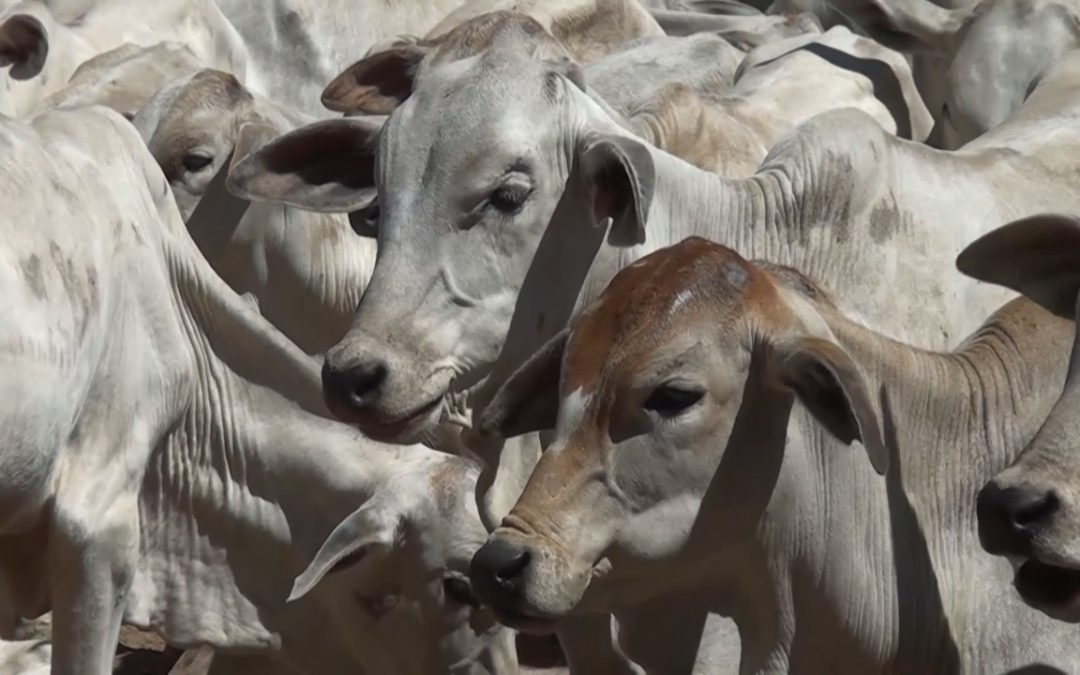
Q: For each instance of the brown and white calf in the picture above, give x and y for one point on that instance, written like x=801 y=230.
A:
x=702 y=409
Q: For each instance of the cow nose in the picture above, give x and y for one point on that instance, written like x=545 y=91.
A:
x=354 y=385
x=1009 y=517
x=497 y=570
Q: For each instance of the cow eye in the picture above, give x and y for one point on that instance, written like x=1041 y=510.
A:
x=671 y=401
x=458 y=589
x=196 y=161
x=509 y=198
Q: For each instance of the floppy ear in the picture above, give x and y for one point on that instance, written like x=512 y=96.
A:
x=376 y=84
x=1037 y=256
x=369 y=529
x=828 y=383
x=529 y=400
x=24 y=45
x=327 y=167
x=621 y=178
x=905 y=25
x=251 y=136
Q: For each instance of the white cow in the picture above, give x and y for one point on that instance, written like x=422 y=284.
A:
x=42 y=43
x=704 y=408
x=150 y=470
x=1031 y=511
x=982 y=59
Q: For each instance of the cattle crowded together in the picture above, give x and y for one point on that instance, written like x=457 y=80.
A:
x=485 y=337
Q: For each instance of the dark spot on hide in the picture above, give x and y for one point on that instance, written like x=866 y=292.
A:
x=32 y=273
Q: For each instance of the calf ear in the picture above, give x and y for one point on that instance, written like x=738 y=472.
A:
x=1037 y=256
x=367 y=530
x=529 y=400
x=828 y=383
x=376 y=84
x=24 y=45
x=621 y=178
x=327 y=167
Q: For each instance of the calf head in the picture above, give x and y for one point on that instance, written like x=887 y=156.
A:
x=1031 y=510
x=471 y=168
x=690 y=354
x=395 y=573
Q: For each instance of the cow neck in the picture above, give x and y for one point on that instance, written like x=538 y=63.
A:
x=240 y=431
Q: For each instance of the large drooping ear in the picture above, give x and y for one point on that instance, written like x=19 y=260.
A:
x=24 y=45
x=376 y=84
x=529 y=400
x=1037 y=256
x=369 y=530
x=828 y=383
x=327 y=167
x=621 y=178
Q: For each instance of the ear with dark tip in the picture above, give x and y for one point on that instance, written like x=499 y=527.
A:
x=327 y=167
x=376 y=84
x=529 y=400
x=1037 y=256
x=368 y=530
x=827 y=381
x=621 y=177
x=24 y=45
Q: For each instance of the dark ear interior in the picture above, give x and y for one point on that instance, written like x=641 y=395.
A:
x=622 y=179
x=24 y=45
x=327 y=166
x=377 y=84
x=827 y=382
x=529 y=400
x=1037 y=256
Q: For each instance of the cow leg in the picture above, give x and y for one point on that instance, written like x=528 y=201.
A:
x=589 y=647
x=92 y=559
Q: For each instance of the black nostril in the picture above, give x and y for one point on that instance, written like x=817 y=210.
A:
x=365 y=379
x=497 y=568
x=353 y=385
x=1034 y=508
x=1009 y=517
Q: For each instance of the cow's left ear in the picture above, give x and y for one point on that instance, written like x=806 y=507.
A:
x=328 y=167
x=826 y=380
x=369 y=530
x=24 y=45
x=376 y=84
x=529 y=400
x=1038 y=256
x=620 y=178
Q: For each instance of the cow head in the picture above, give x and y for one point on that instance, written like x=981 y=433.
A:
x=688 y=354
x=1031 y=510
x=395 y=573
x=472 y=167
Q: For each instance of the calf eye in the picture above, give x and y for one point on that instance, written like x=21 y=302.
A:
x=458 y=589
x=196 y=161
x=509 y=198
x=671 y=401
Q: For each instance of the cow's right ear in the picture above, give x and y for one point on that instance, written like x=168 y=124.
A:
x=24 y=45
x=529 y=400
x=621 y=178
x=1037 y=256
x=327 y=167
x=376 y=84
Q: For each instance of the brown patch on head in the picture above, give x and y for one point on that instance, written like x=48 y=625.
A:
x=656 y=292
x=492 y=30
x=445 y=483
x=207 y=90
x=602 y=26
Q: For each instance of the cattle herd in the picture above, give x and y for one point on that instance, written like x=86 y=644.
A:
x=672 y=336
